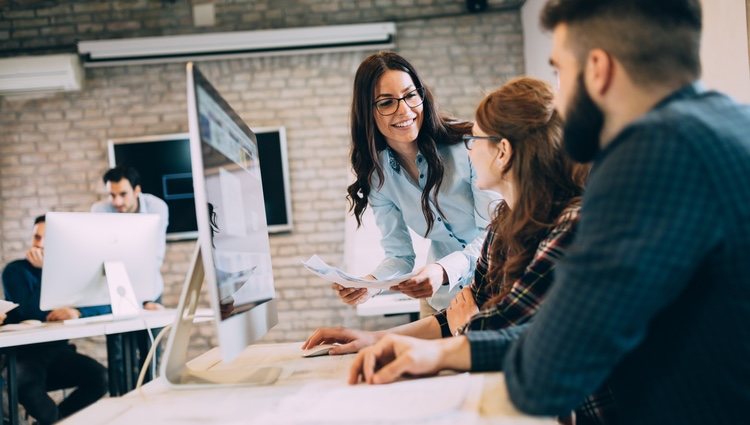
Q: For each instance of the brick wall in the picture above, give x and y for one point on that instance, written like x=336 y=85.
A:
x=53 y=147
x=55 y=26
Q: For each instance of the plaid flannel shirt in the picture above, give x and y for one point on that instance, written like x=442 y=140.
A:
x=526 y=295
x=653 y=296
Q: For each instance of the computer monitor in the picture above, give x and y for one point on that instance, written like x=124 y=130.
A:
x=99 y=258
x=233 y=250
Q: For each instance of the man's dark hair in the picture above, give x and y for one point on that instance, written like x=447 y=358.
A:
x=657 y=41
x=120 y=172
x=40 y=219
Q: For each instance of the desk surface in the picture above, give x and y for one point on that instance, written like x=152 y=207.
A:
x=56 y=331
x=304 y=388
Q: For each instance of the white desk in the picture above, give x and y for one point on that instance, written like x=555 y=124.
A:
x=11 y=340
x=388 y=304
x=304 y=385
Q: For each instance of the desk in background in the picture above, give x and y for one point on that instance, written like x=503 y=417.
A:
x=303 y=394
x=127 y=330
x=388 y=304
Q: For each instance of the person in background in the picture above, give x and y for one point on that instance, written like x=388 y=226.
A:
x=125 y=196
x=414 y=173
x=123 y=184
x=52 y=365
x=652 y=297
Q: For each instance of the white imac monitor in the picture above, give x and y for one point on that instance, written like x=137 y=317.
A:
x=233 y=249
x=99 y=258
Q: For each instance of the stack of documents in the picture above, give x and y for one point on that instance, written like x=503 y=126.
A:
x=332 y=274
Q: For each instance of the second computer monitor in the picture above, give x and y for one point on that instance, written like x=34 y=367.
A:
x=77 y=246
x=232 y=227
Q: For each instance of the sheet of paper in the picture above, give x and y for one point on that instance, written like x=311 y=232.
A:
x=332 y=274
x=6 y=306
x=437 y=400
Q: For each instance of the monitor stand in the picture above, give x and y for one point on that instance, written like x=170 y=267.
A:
x=121 y=294
x=181 y=373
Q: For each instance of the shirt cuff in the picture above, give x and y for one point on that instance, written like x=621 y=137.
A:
x=456 y=266
x=488 y=349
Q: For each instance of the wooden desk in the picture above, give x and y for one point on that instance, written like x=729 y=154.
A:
x=11 y=341
x=304 y=384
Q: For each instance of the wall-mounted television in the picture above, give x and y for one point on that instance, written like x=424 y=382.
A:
x=163 y=162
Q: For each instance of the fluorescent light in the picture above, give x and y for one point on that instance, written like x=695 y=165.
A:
x=238 y=44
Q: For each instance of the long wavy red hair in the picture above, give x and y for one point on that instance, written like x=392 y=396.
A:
x=522 y=112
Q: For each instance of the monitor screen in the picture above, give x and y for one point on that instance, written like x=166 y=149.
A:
x=232 y=230
x=77 y=245
x=163 y=161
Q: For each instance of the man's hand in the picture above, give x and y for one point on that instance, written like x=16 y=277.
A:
x=3 y=316
x=35 y=256
x=425 y=283
x=150 y=305
x=352 y=340
x=64 y=313
x=397 y=355
x=461 y=310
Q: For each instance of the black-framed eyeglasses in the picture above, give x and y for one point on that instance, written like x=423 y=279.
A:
x=469 y=139
x=389 y=105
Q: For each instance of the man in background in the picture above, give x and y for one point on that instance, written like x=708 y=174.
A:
x=52 y=365
x=125 y=196
x=123 y=185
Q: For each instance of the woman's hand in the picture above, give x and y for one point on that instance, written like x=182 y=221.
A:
x=354 y=296
x=351 y=340
x=461 y=310
x=425 y=283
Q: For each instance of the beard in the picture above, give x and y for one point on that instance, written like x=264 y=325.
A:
x=583 y=125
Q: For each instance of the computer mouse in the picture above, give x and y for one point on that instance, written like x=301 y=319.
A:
x=32 y=322
x=318 y=350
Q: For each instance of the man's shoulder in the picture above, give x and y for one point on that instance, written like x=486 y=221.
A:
x=102 y=207
x=694 y=119
x=154 y=200
x=17 y=265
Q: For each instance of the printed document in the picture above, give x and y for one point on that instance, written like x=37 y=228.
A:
x=332 y=274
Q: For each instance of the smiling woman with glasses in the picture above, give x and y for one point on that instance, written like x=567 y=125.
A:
x=413 y=172
x=389 y=105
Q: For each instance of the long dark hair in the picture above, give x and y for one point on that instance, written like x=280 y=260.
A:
x=522 y=112
x=368 y=142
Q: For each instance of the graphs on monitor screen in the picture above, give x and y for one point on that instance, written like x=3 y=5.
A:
x=163 y=161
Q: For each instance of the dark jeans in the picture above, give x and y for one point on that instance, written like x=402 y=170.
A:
x=49 y=367
x=126 y=354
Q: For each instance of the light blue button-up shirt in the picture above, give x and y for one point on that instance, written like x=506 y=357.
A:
x=456 y=237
